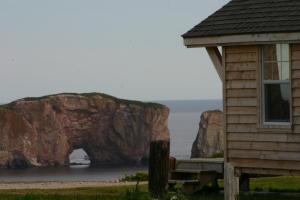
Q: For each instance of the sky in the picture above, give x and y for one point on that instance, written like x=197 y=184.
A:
x=130 y=49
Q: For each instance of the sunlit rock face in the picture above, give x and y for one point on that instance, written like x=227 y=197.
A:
x=44 y=131
x=210 y=137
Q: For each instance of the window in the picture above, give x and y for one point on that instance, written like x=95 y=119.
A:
x=276 y=84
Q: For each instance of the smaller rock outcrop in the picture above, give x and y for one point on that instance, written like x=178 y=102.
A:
x=210 y=137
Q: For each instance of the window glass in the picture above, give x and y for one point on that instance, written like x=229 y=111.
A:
x=285 y=53
x=284 y=70
x=276 y=53
x=277 y=103
x=270 y=54
x=271 y=71
x=276 y=84
x=276 y=62
x=276 y=71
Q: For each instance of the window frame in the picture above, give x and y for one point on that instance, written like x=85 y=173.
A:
x=263 y=82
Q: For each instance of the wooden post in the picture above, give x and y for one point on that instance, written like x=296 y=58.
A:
x=159 y=167
x=231 y=182
x=216 y=59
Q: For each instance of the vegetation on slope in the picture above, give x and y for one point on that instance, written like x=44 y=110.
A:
x=118 y=100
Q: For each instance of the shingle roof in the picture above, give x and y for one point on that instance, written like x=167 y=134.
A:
x=249 y=17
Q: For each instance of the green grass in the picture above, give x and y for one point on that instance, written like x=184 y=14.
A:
x=276 y=184
x=104 y=193
x=273 y=184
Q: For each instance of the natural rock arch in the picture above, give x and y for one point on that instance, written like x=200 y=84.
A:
x=111 y=131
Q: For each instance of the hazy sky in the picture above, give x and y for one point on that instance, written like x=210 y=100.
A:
x=130 y=49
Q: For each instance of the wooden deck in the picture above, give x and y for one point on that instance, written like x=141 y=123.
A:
x=198 y=165
x=195 y=173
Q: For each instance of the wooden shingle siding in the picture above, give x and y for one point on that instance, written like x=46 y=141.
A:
x=242 y=75
x=243 y=93
x=296 y=83
x=264 y=137
x=241 y=84
x=242 y=119
x=296 y=128
x=241 y=110
x=296 y=92
x=265 y=164
x=241 y=57
x=241 y=128
x=236 y=67
x=296 y=64
x=242 y=102
x=296 y=74
x=296 y=102
x=265 y=146
x=296 y=114
x=295 y=52
x=295 y=47
x=264 y=155
x=241 y=49
x=296 y=119
x=248 y=145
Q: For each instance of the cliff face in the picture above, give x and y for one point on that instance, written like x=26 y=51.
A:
x=210 y=137
x=44 y=131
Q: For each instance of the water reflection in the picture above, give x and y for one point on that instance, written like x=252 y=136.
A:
x=73 y=173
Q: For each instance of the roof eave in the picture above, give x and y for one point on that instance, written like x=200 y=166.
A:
x=244 y=39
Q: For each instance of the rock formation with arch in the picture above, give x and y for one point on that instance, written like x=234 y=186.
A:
x=43 y=131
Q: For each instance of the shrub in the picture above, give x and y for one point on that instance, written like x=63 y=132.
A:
x=139 y=176
x=218 y=155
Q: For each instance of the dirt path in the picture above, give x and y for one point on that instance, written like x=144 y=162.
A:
x=62 y=185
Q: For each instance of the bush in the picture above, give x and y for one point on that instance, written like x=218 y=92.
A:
x=139 y=176
x=218 y=155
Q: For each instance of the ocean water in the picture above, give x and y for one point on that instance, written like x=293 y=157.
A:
x=74 y=173
x=183 y=124
x=184 y=121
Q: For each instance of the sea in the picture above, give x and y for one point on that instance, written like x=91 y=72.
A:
x=183 y=124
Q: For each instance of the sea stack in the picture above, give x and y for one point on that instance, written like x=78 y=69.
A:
x=44 y=131
x=210 y=137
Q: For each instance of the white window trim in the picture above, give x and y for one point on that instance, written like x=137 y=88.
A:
x=265 y=123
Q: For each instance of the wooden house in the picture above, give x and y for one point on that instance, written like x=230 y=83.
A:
x=255 y=48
